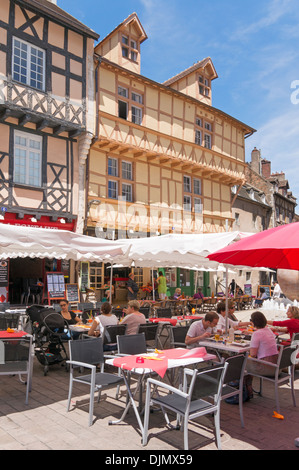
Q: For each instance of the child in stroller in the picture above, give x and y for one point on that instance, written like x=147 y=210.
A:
x=48 y=328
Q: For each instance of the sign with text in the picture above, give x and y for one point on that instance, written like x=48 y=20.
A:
x=55 y=286
x=72 y=293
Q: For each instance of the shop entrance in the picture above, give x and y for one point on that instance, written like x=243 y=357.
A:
x=27 y=278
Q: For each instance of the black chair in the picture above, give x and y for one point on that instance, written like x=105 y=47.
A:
x=146 y=311
x=118 y=312
x=9 y=320
x=189 y=403
x=110 y=335
x=235 y=373
x=4 y=306
x=178 y=336
x=151 y=334
x=164 y=312
x=131 y=344
x=88 y=353
x=16 y=359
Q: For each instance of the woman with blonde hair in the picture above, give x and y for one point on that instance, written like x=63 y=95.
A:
x=291 y=325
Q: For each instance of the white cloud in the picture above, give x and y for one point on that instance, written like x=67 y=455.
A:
x=278 y=140
x=275 y=10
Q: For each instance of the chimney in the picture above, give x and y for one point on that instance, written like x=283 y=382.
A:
x=266 y=168
x=256 y=160
x=53 y=1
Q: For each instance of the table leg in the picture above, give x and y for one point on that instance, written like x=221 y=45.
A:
x=129 y=402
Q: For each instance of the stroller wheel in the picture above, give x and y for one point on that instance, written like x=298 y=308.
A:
x=46 y=370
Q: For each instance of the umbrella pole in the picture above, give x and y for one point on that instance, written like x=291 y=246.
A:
x=226 y=302
x=153 y=284
x=111 y=277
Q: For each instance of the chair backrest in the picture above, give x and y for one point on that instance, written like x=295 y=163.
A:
x=164 y=312
x=112 y=331
x=206 y=383
x=295 y=337
x=9 y=320
x=88 y=350
x=145 y=310
x=236 y=367
x=149 y=330
x=131 y=344
x=85 y=306
x=178 y=334
x=118 y=312
x=4 y=306
x=15 y=351
x=285 y=357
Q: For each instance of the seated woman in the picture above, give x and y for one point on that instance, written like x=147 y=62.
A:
x=291 y=325
x=106 y=318
x=221 y=310
x=263 y=346
x=133 y=317
x=263 y=296
x=70 y=317
x=177 y=294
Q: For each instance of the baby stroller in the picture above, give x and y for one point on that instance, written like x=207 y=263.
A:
x=48 y=329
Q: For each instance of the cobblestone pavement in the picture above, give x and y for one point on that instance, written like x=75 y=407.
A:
x=44 y=423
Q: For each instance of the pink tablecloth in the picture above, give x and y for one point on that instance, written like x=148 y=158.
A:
x=160 y=364
x=172 y=321
x=15 y=335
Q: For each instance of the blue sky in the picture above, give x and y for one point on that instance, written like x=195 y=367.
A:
x=254 y=45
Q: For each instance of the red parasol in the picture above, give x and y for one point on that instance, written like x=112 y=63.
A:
x=276 y=248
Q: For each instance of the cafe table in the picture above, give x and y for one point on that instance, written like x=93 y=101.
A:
x=233 y=347
x=159 y=363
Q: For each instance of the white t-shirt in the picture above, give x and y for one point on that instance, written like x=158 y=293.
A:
x=197 y=329
x=221 y=323
x=104 y=320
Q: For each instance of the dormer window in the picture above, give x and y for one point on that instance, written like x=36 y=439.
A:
x=204 y=86
x=129 y=48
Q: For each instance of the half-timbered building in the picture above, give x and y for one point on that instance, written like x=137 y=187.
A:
x=46 y=114
x=164 y=159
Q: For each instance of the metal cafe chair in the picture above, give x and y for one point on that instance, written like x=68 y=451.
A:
x=16 y=359
x=177 y=336
x=235 y=373
x=151 y=332
x=190 y=402
x=88 y=353
x=286 y=357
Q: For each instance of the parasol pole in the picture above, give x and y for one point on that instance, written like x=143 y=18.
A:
x=226 y=301
x=153 y=284
x=111 y=273
x=226 y=289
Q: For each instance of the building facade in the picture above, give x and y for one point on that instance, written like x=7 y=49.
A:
x=163 y=159
x=46 y=115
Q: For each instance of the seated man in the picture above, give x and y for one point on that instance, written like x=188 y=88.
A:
x=201 y=330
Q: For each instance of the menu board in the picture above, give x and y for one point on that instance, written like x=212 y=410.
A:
x=247 y=289
x=4 y=273
x=4 y=280
x=72 y=292
x=55 y=286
